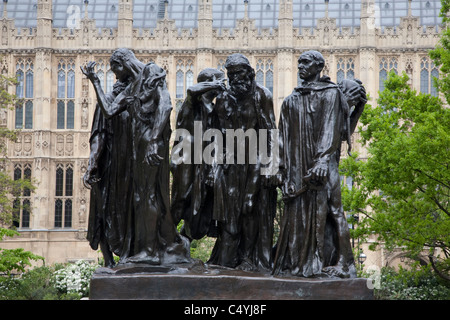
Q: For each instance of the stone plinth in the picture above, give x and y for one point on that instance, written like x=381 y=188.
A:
x=164 y=283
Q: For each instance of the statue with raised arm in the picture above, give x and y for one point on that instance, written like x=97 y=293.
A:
x=107 y=173
x=150 y=235
x=314 y=238
x=193 y=180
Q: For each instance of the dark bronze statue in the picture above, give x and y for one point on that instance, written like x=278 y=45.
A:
x=107 y=174
x=244 y=199
x=228 y=196
x=193 y=179
x=137 y=184
x=314 y=239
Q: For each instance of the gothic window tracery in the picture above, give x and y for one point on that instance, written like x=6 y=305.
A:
x=63 y=196
x=25 y=93
x=22 y=202
x=66 y=94
x=264 y=73
x=428 y=71
x=106 y=75
x=184 y=79
x=387 y=65
x=345 y=69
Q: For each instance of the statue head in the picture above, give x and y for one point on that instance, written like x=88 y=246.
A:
x=240 y=73
x=310 y=64
x=209 y=74
x=124 y=63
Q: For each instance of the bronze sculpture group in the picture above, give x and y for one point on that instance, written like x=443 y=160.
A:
x=225 y=195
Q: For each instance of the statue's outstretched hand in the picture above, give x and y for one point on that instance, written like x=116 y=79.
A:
x=89 y=71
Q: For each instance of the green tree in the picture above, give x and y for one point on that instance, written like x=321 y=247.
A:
x=15 y=259
x=441 y=54
x=402 y=190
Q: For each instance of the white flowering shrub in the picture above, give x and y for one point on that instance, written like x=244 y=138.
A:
x=420 y=284
x=75 y=278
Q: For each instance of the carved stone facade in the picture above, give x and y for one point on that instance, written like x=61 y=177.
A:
x=55 y=145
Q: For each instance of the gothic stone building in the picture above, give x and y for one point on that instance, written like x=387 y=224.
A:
x=44 y=43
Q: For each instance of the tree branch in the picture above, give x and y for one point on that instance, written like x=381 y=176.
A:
x=434 y=179
x=436 y=202
x=435 y=268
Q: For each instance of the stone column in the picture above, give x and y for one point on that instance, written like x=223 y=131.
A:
x=205 y=38
x=125 y=24
x=368 y=70
x=44 y=24
x=287 y=73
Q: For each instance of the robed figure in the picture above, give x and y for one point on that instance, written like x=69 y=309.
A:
x=244 y=200
x=314 y=238
x=150 y=235
x=193 y=177
x=107 y=174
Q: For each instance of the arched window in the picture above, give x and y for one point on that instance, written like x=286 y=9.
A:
x=106 y=75
x=66 y=94
x=184 y=78
x=345 y=69
x=22 y=202
x=387 y=65
x=428 y=71
x=24 y=91
x=63 y=196
x=264 y=73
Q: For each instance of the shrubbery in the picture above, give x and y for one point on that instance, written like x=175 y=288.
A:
x=71 y=282
x=74 y=278
x=58 y=282
x=413 y=284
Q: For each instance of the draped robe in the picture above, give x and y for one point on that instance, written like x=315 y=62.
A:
x=244 y=238
x=314 y=231
x=151 y=235
x=192 y=199
x=108 y=205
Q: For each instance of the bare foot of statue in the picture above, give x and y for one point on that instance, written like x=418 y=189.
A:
x=340 y=271
x=246 y=266
x=144 y=257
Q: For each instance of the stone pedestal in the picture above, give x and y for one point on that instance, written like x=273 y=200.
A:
x=199 y=283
